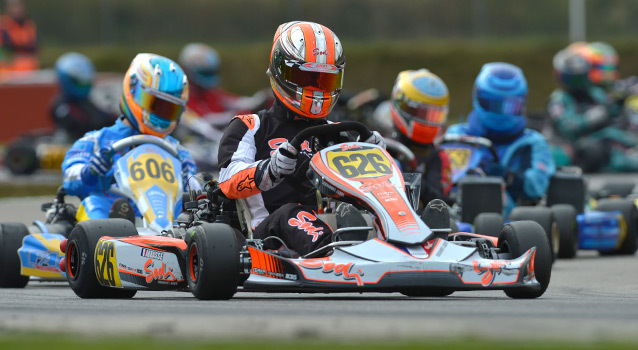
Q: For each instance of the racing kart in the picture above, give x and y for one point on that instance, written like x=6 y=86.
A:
x=569 y=223
x=211 y=255
x=147 y=175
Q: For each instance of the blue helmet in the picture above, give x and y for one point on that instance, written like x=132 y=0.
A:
x=201 y=63
x=499 y=98
x=75 y=74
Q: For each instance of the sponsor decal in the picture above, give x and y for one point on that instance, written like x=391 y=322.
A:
x=317 y=52
x=248 y=119
x=276 y=142
x=347 y=271
x=349 y=146
x=160 y=274
x=319 y=67
x=153 y=254
x=246 y=183
x=371 y=186
x=301 y=223
x=489 y=270
x=105 y=263
x=366 y=163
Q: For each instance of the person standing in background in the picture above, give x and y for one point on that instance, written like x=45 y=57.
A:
x=18 y=39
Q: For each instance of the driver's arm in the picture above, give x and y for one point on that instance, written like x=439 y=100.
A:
x=536 y=178
x=238 y=168
x=77 y=157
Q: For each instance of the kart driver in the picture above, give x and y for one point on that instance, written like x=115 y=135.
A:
x=419 y=107
x=72 y=111
x=499 y=98
x=306 y=71
x=155 y=91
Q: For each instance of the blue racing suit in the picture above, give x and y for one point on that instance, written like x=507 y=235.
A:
x=95 y=195
x=526 y=162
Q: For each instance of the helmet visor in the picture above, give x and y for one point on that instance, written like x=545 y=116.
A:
x=510 y=105
x=159 y=103
x=426 y=113
x=317 y=76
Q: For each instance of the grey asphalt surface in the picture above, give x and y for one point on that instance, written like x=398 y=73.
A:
x=589 y=298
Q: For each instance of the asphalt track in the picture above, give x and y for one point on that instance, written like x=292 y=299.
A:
x=589 y=298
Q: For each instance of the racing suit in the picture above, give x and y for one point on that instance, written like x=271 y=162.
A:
x=434 y=165
x=244 y=155
x=96 y=198
x=78 y=116
x=526 y=162
x=587 y=128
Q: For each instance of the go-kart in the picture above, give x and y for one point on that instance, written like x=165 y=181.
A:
x=149 y=175
x=398 y=252
x=562 y=212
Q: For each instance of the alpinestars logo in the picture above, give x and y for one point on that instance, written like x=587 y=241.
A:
x=276 y=142
x=245 y=184
x=303 y=221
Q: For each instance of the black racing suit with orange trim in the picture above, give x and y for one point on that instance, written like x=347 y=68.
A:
x=284 y=211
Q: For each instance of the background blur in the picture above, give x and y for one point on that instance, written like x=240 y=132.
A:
x=452 y=38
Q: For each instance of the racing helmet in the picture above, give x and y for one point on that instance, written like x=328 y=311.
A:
x=201 y=64
x=75 y=74
x=306 y=68
x=154 y=94
x=499 y=98
x=571 y=69
x=604 y=63
x=420 y=102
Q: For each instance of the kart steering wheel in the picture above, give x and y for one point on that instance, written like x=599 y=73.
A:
x=136 y=140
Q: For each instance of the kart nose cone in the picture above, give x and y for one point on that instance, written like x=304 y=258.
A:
x=63 y=262
x=63 y=245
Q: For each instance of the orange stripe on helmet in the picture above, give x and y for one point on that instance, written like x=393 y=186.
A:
x=310 y=40
x=330 y=45
x=240 y=185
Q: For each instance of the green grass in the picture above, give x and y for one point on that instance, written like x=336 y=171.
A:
x=27 y=190
x=66 y=342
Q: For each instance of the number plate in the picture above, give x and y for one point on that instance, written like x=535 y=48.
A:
x=360 y=163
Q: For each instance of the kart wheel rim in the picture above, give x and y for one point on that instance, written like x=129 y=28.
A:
x=555 y=236
x=73 y=260
x=193 y=263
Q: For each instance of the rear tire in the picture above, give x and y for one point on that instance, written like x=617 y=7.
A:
x=545 y=218
x=630 y=215
x=80 y=257
x=565 y=216
x=518 y=237
x=11 y=236
x=21 y=159
x=488 y=224
x=213 y=265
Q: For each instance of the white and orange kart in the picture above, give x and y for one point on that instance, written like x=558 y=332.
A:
x=399 y=254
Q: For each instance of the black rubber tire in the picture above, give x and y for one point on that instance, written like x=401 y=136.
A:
x=518 y=237
x=21 y=159
x=616 y=189
x=545 y=218
x=488 y=224
x=565 y=216
x=630 y=215
x=81 y=243
x=11 y=236
x=212 y=262
x=427 y=292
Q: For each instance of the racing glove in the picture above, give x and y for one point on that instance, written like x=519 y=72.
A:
x=376 y=139
x=99 y=165
x=282 y=162
x=596 y=117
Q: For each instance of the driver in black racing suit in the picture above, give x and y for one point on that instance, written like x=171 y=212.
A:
x=306 y=73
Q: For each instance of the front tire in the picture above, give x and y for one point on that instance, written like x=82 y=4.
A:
x=518 y=237
x=213 y=265
x=11 y=236
x=80 y=257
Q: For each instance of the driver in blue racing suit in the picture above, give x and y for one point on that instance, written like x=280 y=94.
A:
x=499 y=98
x=155 y=92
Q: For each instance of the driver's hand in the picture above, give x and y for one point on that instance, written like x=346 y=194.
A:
x=100 y=162
x=189 y=168
x=282 y=162
x=376 y=139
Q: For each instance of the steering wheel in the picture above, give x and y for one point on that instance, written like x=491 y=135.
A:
x=136 y=140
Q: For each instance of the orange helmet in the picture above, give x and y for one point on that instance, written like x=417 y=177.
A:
x=420 y=102
x=306 y=68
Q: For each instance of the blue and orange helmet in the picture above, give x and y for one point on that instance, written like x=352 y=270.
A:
x=499 y=98
x=154 y=95
x=306 y=68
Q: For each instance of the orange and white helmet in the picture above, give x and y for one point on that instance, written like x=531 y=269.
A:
x=306 y=68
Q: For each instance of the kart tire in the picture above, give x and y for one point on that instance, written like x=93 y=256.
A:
x=488 y=224
x=616 y=189
x=213 y=266
x=11 y=236
x=565 y=216
x=630 y=215
x=80 y=272
x=427 y=292
x=518 y=237
x=545 y=218
x=21 y=159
